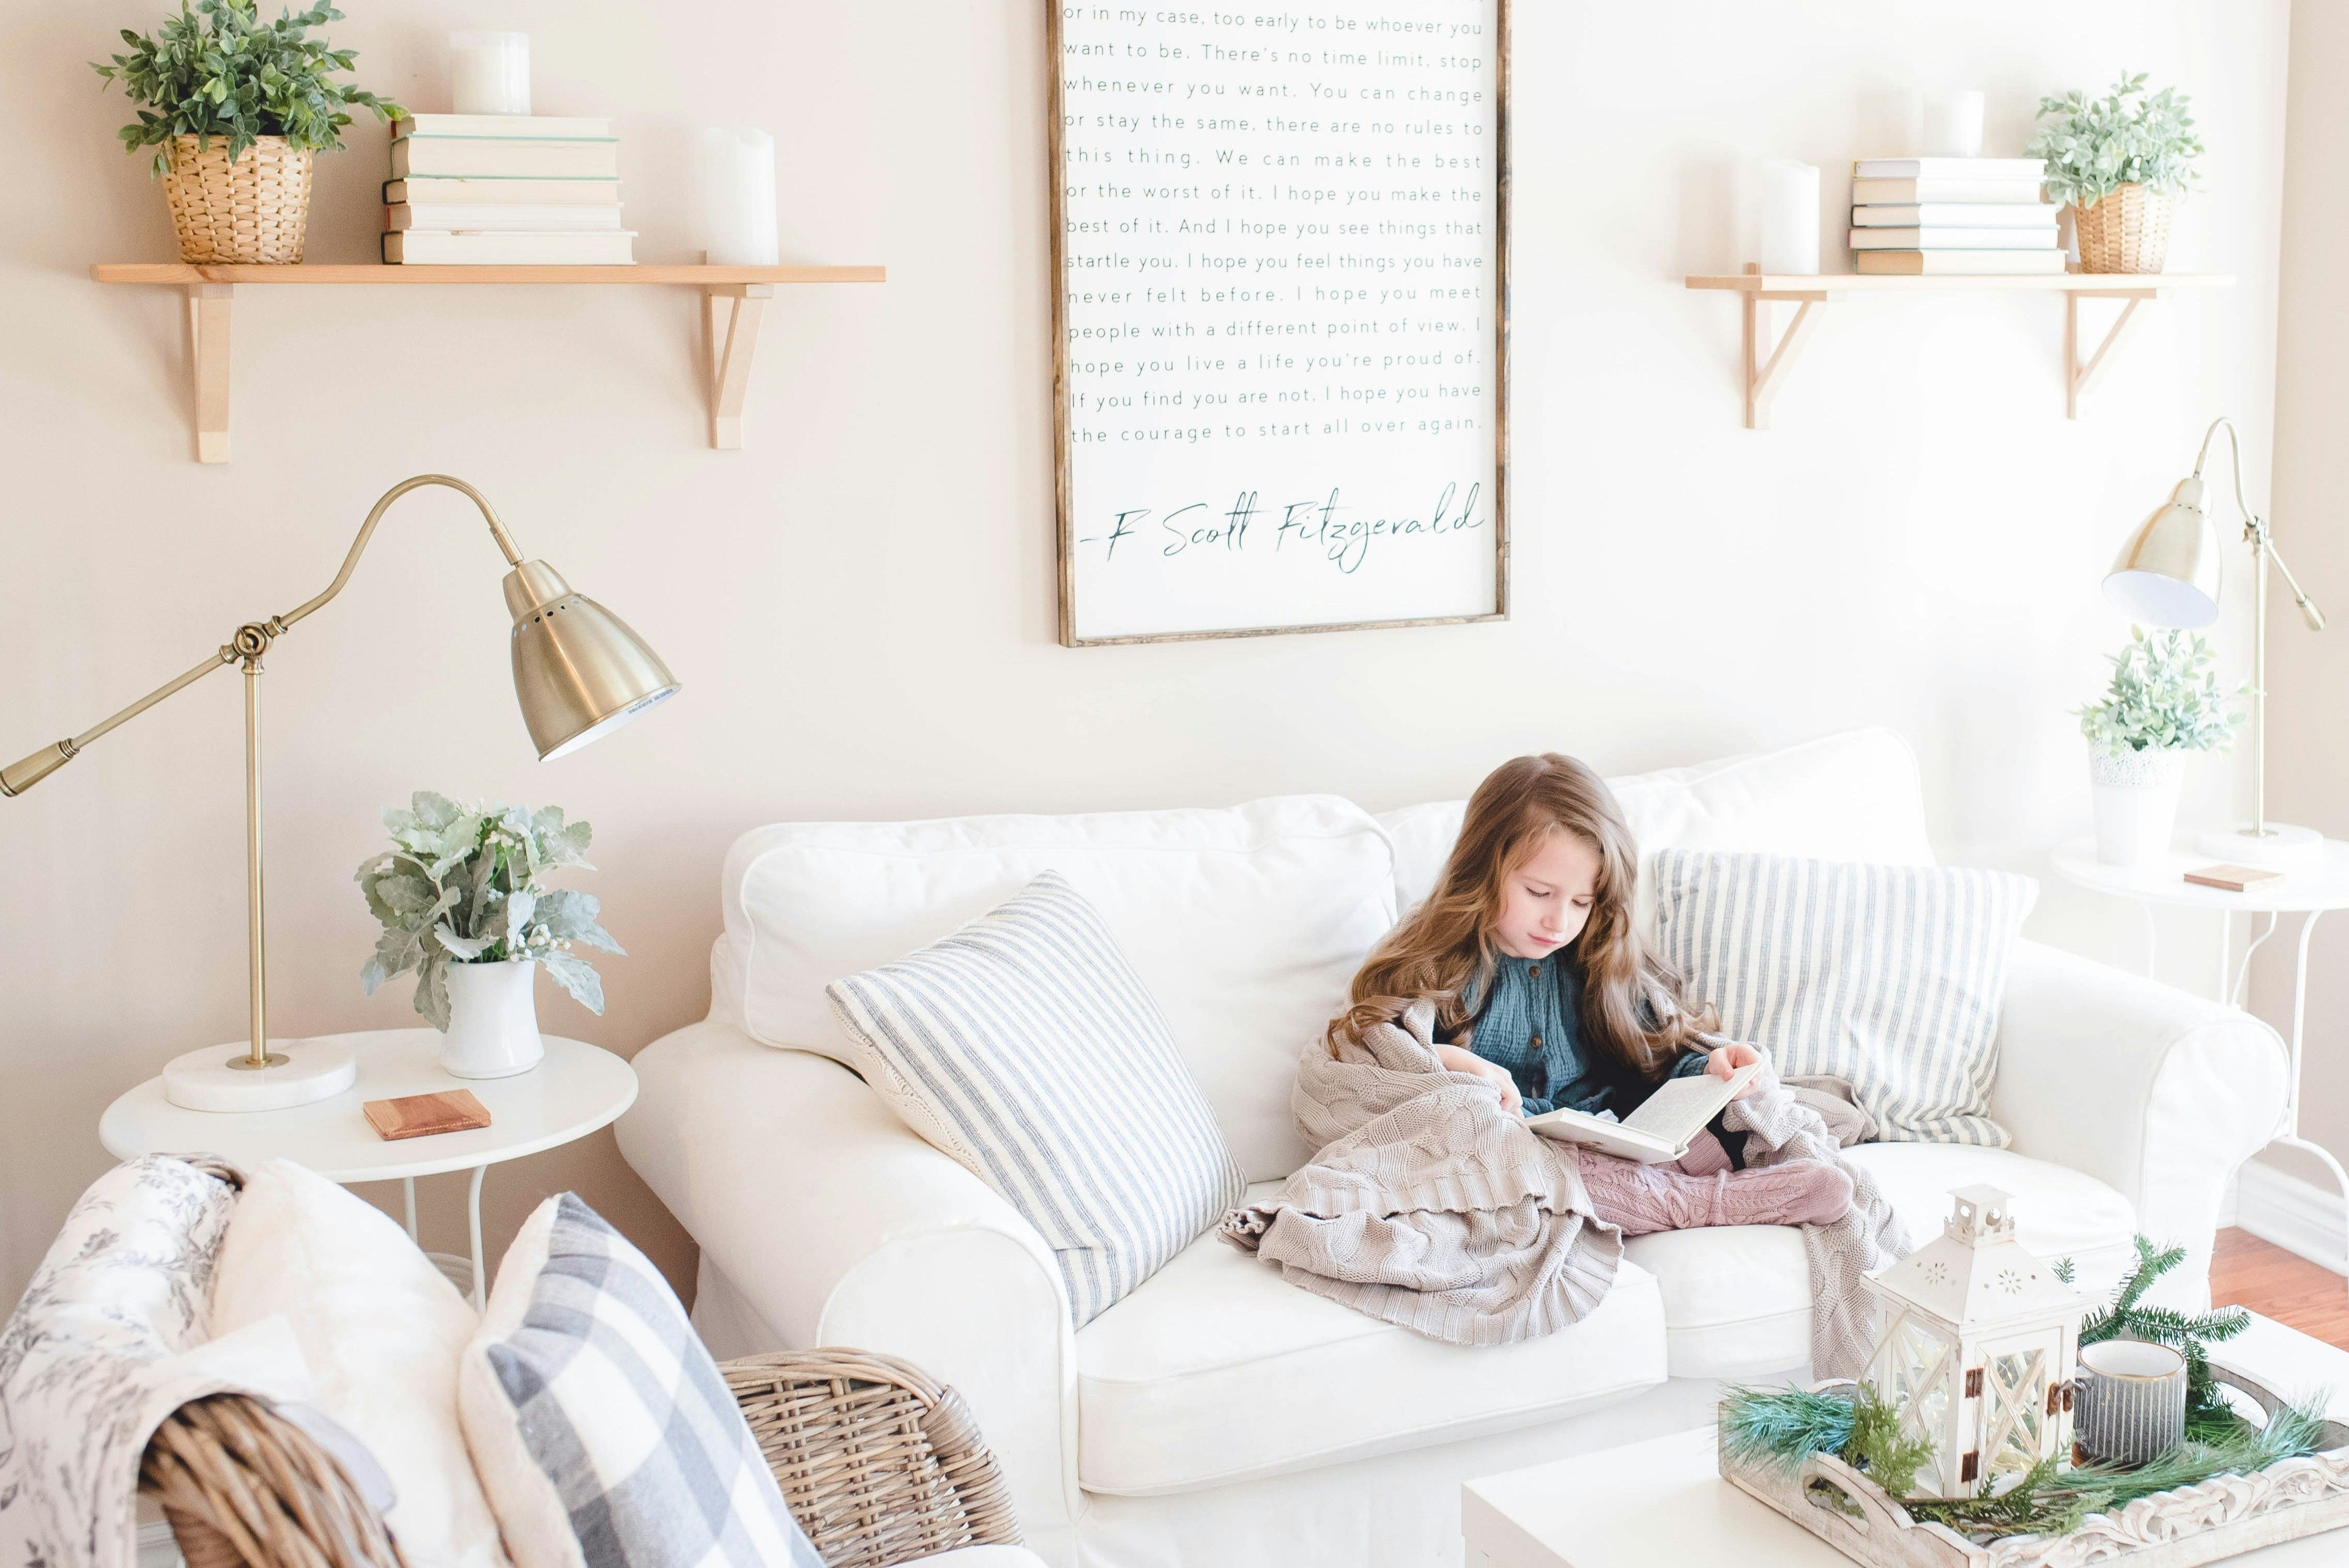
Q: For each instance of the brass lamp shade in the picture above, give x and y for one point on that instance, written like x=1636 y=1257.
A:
x=579 y=672
x=2168 y=572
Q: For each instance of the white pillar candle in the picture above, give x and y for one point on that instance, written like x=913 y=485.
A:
x=1953 y=125
x=489 y=73
x=1790 y=217
x=735 y=196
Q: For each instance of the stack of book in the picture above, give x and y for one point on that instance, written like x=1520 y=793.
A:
x=1954 y=216
x=510 y=189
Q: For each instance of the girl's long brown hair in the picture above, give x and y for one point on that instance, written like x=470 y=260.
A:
x=1633 y=1005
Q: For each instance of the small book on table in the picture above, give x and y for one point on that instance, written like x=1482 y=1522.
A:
x=1660 y=1129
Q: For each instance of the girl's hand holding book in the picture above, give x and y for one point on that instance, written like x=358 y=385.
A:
x=1725 y=1060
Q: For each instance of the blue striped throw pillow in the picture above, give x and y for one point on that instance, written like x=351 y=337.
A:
x=1025 y=1044
x=1887 y=976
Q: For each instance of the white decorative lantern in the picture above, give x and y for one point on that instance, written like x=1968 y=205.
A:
x=1977 y=1350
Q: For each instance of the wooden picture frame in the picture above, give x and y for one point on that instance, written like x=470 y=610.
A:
x=1072 y=634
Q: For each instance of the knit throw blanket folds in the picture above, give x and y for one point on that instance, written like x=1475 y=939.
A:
x=1429 y=1206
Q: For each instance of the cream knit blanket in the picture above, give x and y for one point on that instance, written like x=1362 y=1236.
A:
x=1429 y=1206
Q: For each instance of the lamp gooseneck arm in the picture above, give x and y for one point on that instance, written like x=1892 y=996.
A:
x=251 y=639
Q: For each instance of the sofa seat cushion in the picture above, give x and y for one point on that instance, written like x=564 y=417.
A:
x=1216 y=1369
x=1737 y=1298
x=1246 y=925
x=2059 y=1212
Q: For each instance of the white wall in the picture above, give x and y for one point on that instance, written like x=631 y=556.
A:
x=2308 y=676
x=861 y=603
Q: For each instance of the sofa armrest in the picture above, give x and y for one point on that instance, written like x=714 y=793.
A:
x=840 y=1226
x=2157 y=1091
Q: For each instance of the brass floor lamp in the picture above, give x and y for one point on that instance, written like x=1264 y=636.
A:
x=579 y=673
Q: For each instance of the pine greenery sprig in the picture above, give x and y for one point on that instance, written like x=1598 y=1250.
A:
x=2208 y=1417
x=1780 y=1427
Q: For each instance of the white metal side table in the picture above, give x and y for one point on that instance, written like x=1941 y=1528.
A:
x=576 y=1089
x=2309 y=895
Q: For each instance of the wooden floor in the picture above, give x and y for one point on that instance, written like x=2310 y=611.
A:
x=2262 y=1276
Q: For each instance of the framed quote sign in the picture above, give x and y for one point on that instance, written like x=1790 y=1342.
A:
x=1280 y=246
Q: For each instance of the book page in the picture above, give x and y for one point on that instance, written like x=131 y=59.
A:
x=1679 y=1106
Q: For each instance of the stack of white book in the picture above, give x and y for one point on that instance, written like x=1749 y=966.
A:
x=1952 y=216
x=510 y=189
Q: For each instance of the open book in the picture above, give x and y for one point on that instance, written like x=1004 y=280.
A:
x=1660 y=1129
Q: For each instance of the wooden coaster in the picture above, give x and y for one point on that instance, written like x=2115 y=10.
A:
x=421 y=1115
x=2232 y=879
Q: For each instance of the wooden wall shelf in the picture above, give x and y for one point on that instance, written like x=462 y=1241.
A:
x=733 y=305
x=1766 y=364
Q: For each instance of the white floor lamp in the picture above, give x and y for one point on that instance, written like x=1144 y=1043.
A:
x=2168 y=574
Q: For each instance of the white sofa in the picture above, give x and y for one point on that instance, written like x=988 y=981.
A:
x=1218 y=1414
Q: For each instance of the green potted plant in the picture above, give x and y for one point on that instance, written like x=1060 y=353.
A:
x=235 y=108
x=2163 y=705
x=2120 y=162
x=462 y=902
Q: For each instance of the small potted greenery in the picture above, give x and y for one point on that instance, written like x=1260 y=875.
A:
x=2163 y=705
x=463 y=903
x=235 y=108
x=2120 y=162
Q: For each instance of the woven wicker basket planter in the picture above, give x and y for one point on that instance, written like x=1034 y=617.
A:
x=2128 y=230
x=256 y=209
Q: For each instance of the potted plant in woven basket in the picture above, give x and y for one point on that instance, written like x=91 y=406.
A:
x=2164 y=704
x=2120 y=162
x=235 y=109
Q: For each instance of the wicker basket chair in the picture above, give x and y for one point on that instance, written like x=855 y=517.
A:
x=879 y=1463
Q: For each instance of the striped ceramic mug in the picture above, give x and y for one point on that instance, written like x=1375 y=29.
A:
x=2131 y=1406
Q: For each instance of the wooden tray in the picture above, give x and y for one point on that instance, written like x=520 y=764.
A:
x=2222 y=1517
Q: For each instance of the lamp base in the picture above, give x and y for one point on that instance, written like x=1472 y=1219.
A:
x=300 y=1072
x=2294 y=851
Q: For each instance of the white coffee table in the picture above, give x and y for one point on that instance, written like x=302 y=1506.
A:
x=575 y=1090
x=1662 y=1504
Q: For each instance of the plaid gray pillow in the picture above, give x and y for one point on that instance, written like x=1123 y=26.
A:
x=602 y=1431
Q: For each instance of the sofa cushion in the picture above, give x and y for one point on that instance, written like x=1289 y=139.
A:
x=2059 y=1212
x=1024 y=1046
x=1737 y=1298
x=1246 y=924
x=1850 y=796
x=1218 y=1369
x=1888 y=977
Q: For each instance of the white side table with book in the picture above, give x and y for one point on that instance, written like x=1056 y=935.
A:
x=576 y=1089
x=2309 y=895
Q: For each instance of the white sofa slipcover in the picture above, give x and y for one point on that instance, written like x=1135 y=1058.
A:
x=1217 y=1414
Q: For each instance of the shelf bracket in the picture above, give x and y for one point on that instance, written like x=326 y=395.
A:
x=2078 y=376
x=208 y=362
x=730 y=341
x=1766 y=364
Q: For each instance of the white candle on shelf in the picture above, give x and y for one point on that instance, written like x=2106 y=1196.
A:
x=1953 y=125
x=1790 y=217
x=735 y=196
x=489 y=73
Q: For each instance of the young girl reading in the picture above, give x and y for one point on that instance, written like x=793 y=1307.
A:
x=1542 y=986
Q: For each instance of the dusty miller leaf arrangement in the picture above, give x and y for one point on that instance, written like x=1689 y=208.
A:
x=240 y=77
x=2164 y=697
x=1780 y=1427
x=2129 y=137
x=462 y=885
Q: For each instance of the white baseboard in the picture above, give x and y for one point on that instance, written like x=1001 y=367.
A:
x=2299 y=1216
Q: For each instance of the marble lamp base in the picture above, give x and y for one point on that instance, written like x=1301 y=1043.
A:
x=2294 y=851
x=311 y=1070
